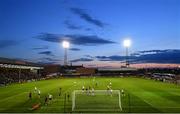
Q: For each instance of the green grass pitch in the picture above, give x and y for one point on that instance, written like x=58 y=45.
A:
x=141 y=95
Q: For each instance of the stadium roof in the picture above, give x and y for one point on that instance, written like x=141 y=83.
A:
x=17 y=62
x=19 y=66
x=13 y=63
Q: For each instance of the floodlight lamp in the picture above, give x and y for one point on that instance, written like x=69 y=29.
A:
x=65 y=44
x=127 y=43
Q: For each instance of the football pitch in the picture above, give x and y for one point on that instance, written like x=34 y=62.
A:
x=140 y=95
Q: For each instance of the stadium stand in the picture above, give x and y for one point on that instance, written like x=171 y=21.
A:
x=12 y=71
x=86 y=71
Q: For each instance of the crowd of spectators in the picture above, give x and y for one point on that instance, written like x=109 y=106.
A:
x=8 y=76
x=14 y=75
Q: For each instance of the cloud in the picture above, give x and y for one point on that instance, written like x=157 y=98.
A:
x=71 y=25
x=111 y=58
x=50 y=59
x=74 y=49
x=49 y=53
x=82 y=60
x=163 y=56
x=47 y=60
x=152 y=51
x=7 y=43
x=88 y=29
x=40 y=48
x=89 y=56
x=135 y=54
x=85 y=16
x=86 y=40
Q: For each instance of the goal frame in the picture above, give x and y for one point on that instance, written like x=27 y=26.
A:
x=95 y=91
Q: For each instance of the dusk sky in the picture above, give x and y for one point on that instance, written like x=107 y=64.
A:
x=34 y=29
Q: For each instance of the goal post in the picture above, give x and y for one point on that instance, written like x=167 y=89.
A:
x=73 y=99
x=98 y=100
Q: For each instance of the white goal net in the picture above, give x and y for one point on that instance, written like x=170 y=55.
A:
x=97 y=100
